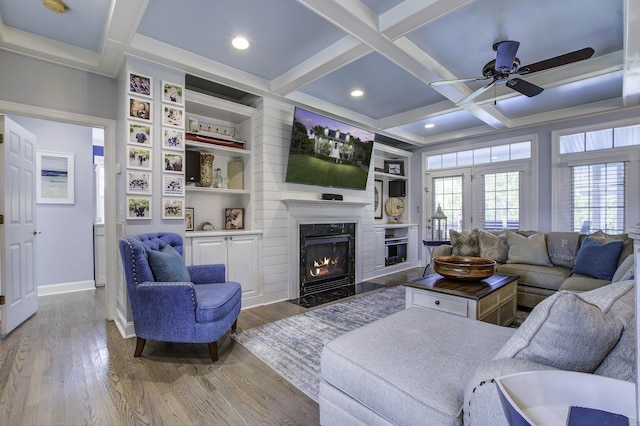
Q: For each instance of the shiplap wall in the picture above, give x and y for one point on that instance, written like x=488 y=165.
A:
x=272 y=134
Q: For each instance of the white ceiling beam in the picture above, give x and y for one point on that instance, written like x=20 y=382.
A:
x=412 y=14
x=327 y=60
x=631 y=79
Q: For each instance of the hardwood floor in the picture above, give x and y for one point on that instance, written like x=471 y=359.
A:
x=66 y=365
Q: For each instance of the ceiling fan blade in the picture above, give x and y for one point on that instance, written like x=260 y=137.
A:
x=460 y=80
x=505 y=55
x=524 y=87
x=475 y=93
x=567 y=58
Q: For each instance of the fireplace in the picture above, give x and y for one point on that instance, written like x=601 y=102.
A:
x=327 y=257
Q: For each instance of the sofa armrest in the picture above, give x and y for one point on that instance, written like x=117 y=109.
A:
x=482 y=404
x=207 y=274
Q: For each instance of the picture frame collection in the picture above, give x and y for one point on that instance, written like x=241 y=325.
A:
x=140 y=146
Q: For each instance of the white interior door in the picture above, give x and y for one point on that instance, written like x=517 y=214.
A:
x=18 y=245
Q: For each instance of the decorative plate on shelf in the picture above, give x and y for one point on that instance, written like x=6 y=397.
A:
x=394 y=207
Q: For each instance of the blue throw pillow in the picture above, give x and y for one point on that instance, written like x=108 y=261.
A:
x=167 y=265
x=598 y=260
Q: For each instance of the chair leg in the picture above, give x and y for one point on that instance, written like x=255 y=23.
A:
x=213 y=351
x=234 y=325
x=139 y=346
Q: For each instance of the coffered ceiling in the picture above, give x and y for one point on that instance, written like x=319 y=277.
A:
x=315 y=52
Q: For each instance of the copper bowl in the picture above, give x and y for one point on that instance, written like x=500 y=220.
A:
x=464 y=268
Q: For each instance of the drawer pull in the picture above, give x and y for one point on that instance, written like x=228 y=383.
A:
x=437 y=302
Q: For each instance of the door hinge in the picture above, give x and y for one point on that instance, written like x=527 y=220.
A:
x=2 y=300
x=1 y=219
x=1 y=138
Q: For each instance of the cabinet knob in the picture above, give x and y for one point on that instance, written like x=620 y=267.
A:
x=437 y=302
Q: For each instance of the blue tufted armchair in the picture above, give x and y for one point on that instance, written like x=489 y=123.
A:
x=174 y=303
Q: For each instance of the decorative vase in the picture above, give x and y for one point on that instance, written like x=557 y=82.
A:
x=206 y=170
x=217 y=179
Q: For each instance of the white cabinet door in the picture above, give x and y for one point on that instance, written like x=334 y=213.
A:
x=412 y=249
x=209 y=250
x=243 y=263
x=379 y=250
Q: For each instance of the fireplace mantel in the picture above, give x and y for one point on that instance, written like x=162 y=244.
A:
x=308 y=211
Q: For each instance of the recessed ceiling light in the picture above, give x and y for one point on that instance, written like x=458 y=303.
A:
x=357 y=93
x=240 y=43
x=429 y=126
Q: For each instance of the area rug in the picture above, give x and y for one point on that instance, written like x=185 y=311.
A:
x=292 y=346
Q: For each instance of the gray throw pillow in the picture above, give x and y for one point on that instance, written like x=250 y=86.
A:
x=565 y=332
x=530 y=250
x=464 y=243
x=493 y=246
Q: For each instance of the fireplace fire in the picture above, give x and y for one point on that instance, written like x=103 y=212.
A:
x=327 y=257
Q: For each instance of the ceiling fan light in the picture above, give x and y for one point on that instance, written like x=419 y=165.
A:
x=56 y=6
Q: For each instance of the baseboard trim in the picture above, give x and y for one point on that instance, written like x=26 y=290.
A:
x=51 y=289
x=124 y=327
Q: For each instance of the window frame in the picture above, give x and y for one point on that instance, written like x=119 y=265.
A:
x=560 y=163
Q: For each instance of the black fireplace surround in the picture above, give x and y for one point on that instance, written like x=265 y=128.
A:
x=327 y=257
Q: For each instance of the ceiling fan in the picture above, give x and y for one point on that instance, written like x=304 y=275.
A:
x=502 y=70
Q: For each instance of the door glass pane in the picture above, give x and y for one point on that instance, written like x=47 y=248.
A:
x=447 y=193
x=501 y=201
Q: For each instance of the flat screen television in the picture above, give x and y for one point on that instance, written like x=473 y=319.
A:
x=327 y=152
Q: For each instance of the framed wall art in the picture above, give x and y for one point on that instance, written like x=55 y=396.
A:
x=55 y=177
x=138 y=208
x=138 y=182
x=173 y=116
x=172 y=138
x=140 y=109
x=378 y=193
x=139 y=134
x=172 y=93
x=172 y=162
x=172 y=185
x=234 y=218
x=189 y=218
x=173 y=208
x=139 y=158
x=394 y=167
x=140 y=85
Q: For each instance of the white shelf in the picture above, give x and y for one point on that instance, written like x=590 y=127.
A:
x=217 y=190
x=209 y=147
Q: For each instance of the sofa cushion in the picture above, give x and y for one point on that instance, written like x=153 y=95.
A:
x=564 y=331
x=580 y=283
x=364 y=365
x=530 y=250
x=625 y=271
x=627 y=243
x=493 y=246
x=464 y=243
x=537 y=276
x=167 y=265
x=598 y=260
x=563 y=247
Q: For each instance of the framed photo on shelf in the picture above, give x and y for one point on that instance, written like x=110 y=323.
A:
x=138 y=208
x=140 y=85
x=234 y=218
x=394 y=167
x=55 y=176
x=173 y=208
x=378 y=193
x=173 y=116
x=173 y=138
x=139 y=158
x=138 y=182
x=140 y=109
x=139 y=133
x=188 y=219
x=172 y=185
x=172 y=93
x=172 y=162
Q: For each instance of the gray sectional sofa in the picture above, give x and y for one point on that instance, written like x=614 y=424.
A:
x=426 y=367
x=545 y=262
